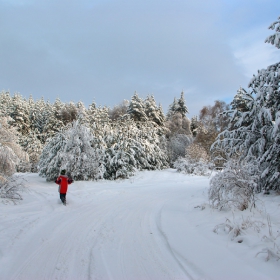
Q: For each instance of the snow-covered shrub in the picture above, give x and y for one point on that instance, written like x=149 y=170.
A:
x=178 y=124
x=190 y=166
x=236 y=229
x=197 y=153
x=235 y=185
x=118 y=111
x=8 y=160
x=10 y=187
x=177 y=146
x=232 y=229
x=195 y=162
x=11 y=154
x=273 y=240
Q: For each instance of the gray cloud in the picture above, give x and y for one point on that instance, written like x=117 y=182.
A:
x=108 y=49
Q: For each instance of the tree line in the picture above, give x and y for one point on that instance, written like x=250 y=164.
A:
x=133 y=135
x=110 y=143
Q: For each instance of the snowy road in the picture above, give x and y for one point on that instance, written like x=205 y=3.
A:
x=143 y=228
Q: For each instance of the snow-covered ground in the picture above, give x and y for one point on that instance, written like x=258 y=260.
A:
x=156 y=225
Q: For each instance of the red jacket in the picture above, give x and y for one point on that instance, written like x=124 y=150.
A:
x=63 y=182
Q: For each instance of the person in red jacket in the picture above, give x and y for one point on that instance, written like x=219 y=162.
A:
x=63 y=181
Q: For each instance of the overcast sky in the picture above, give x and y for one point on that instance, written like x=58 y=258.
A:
x=105 y=50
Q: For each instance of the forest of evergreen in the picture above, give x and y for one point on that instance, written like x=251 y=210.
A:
x=110 y=143
x=94 y=142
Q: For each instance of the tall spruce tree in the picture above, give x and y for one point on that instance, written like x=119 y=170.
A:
x=51 y=157
x=255 y=133
x=182 y=107
x=79 y=158
x=136 y=109
x=153 y=113
x=19 y=112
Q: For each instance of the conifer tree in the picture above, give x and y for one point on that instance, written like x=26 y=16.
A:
x=33 y=147
x=254 y=134
x=40 y=114
x=5 y=103
x=79 y=157
x=53 y=125
x=136 y=109
x=172 y=108
x=240 y=100
x=182 y=107
x=275 y=38
x=20 y=114
x=51 y=157
x=152 y=112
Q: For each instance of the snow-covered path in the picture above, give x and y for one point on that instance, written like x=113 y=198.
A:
x=143 y=228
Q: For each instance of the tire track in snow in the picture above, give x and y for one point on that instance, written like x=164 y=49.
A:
x=190 y=269
x=108 y=233
x=136 y=250
x=54 y=256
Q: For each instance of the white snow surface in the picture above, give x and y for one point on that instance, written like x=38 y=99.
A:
x=145 y=227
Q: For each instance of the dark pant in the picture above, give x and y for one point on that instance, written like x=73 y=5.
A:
x=63 y=197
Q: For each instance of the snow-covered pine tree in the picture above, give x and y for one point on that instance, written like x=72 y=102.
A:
x=57 y=106
x=178 y=106
x=82 y=113
x=176 y=121
x=275 y=38
x=254 y=133
x=155 y=153
x=91 y=113
x=248 y=136
x=136 y=109
x=240 y=100
x=33 y=147
x=103 y=114
x=153 y=113
x=161 y=113
x=120 y=162
x=172 y=108
x=182 y=107
x=79 y=157
x=240 y=104
x=270 y=160
x=178 y=129
x=234 y=187
x=97 y=115
x=133 y=146
x=19 y=112
x=53 y=124
x=39 y=115
x=5 y=103
x=51 y=157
